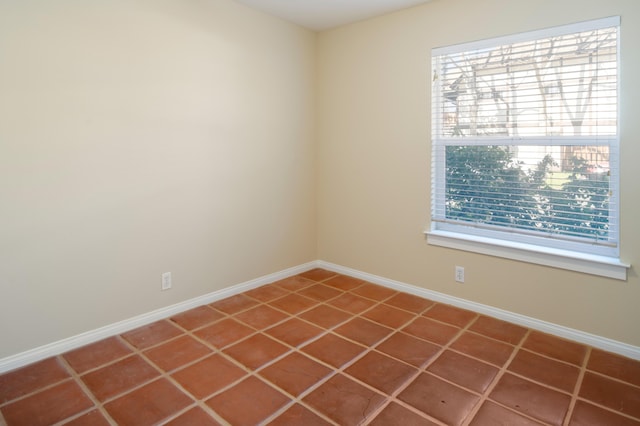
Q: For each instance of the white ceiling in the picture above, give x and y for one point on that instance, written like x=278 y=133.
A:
x=324 y=14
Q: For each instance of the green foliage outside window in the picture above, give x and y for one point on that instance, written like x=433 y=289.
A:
x=485 y=184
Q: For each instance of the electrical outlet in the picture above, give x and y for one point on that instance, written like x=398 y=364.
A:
x=460 y=274
x=166 y=280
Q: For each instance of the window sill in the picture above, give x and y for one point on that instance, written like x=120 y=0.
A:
x=585 y=263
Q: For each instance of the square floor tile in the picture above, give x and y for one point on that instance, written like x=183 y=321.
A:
x=119 y=377
x=48 y=406
x=531 y=399
x=294 y=331
x=31 y=378
x=333 y=350
x=611 y=393
x=176 y=353
x=248 y=402
x=320 y=292
x=545 y=370
x=498 y=329
x=409 y=302
x=92 y=418
x=234 y=304
x=344 y=401
x=261 y=316
x=486 y=349
x=256 y=351
x=294 y=283
x=318 y=274
x=295 y=373
x=408 y=349
x=389 y=316
x=148 y=405
x=352 y=303
x=450 y=315
x=492 y=414
x=464 y=371
x=344 y=282
x=197 y=317
x=616 y=366
x=96 y=354
x=293 y=303
x=383 y=373
x=194 y=417
x=555 y=347
x=431 y=330
x=363 y=331
x=396 y=414
x=152 y=334
x=267 y=292
x=210 y=375
x=374 y=292
x=224 y=333
x=325 y=316
x=298 y=415
x=585 y=414
x=439 y=399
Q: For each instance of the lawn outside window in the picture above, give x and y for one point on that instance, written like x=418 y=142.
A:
x=525 y=160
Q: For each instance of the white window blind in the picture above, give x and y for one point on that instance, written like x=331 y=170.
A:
x=525 y=138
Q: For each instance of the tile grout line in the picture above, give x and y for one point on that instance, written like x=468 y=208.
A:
x=614 y=379
x=501 y=372
x=485 y=394
x=334 y=370
x=371 y=348
x=247 y=370
x=97 y=404
x=422 y=369
x=419 y=369
x=519 y=348
x=36 y=391
x=296 y=349
x=576 y=395
x=576 y=387
x=113 y=361
x=292 y=349
x=167 y=376
x=214 y=351
x=299 y=399
x=162 y=374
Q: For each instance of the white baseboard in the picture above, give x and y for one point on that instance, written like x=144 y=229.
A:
x=56 y=348
x=593 y=340
x=74 y=342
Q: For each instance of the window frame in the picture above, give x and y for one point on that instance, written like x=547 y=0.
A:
x=501 y=243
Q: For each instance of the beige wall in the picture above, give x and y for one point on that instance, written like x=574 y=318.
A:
x=374 y=155
x=144 y=136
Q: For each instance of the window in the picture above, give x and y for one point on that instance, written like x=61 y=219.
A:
x=525 y=142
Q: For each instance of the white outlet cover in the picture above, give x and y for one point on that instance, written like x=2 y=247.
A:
x=166 y=281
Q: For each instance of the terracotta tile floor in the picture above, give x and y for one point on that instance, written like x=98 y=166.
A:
x=321 y=349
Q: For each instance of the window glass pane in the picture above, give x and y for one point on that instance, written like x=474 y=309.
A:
x=525 y=138
x=563 y=85
x=561 y=190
